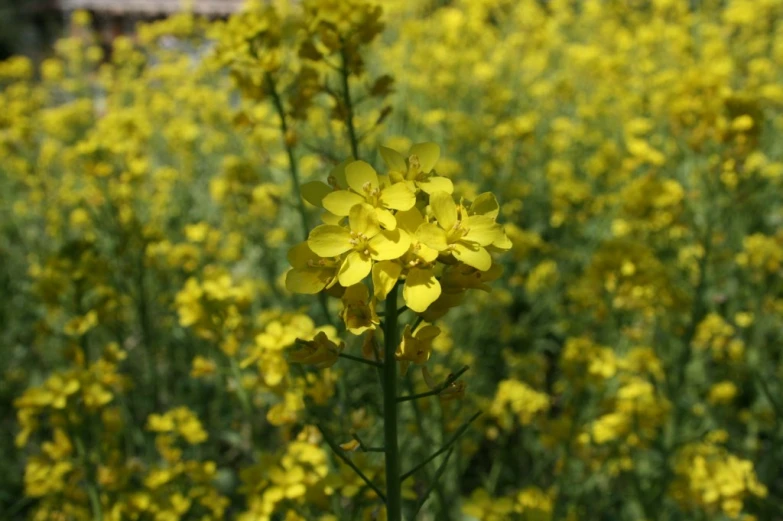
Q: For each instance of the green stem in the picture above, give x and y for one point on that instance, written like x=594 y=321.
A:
x=439 y=389
x=150 y=348
x=434 y=483
x=244 y=399
x=361 y=360
x=344 y=74
x=443 y=449
x=341 y=454
x=427 y=441
x=393 y=483
x=293 y=167
x=92 y=491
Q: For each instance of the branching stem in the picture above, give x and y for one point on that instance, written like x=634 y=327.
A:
x=439 y=389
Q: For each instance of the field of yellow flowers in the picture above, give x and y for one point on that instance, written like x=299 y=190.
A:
x=339 y=260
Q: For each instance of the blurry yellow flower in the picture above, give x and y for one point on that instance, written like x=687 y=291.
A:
x=320 y=351
x=201 y=367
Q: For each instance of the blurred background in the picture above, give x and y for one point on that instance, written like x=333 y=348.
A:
x=162 y=162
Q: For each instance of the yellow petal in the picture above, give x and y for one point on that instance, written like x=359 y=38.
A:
x=350 y=446
x=337 y=174
x=363 y=220
x=386 y=218
x=473 y=255
x=421 y=289
x=328 y=240
x=385 y=275
x=354 y=269
x=357 y=293
x=436 y=184
x=426 y=253
x=427 y=332
x=389 y=244
x=409 y=220
x=300 y=255
x=444 y=209
x=428 y=154
x=393 y=159
x=432 y=235
x=361 y=175
x=502 y=242
x=398 y=197
x=341 y=202
x=330 y=218
x=315 y=191
x=481 y=229
x=485 y=204
x=307 y=281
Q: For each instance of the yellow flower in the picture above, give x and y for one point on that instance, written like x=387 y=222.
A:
x=416 y=347
x=310 y=273
x=418 y=169
x=55 y=393
x=201 y=367
x=421 y=286
x=358 y=314
x=365 y=242
x=366 y=187
x=78 y=326
x=320 y=351
x=464 y=236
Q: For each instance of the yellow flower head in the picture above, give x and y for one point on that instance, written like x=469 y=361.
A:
x=320 y=351
x=404 y=226
x=359 y=310
x=416 y=347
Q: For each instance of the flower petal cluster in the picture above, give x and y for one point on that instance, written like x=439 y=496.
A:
x=402 y=226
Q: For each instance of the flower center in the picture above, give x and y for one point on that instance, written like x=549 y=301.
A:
x=372 y=194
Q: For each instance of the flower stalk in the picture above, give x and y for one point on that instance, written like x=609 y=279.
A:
x=391 y=340
x=344 y=75
x=293 y=167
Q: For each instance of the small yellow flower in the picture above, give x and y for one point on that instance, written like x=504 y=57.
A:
x=202 y=367
x=418 y=169
x=464 y=236
x=366 y=188
x=364 y=242
x=310 y=273
x=358 y=309
x=416 y=347
x=320 y=351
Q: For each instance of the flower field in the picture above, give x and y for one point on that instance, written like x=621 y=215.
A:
x=340 y=260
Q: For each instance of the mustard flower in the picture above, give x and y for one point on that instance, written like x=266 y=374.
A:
x=464 y=236
x=367 y=187
x=320 y=351
x=416 y=346
x=310 y=273
x=358 y=309
x=418 y=169
x=363 y=240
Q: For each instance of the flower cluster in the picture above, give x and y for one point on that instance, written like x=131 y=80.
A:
x=405 y=226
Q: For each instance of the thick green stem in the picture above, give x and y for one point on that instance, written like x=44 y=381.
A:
x=393 y=485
